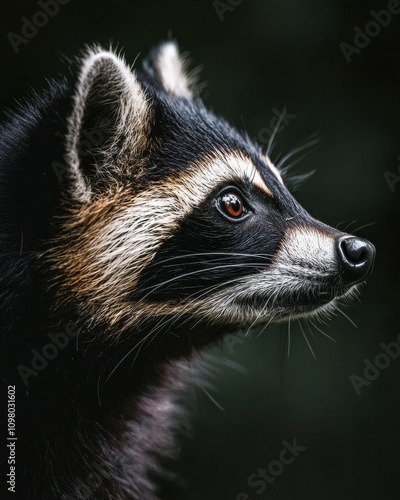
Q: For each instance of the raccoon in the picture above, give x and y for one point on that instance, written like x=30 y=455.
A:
x=138 y=228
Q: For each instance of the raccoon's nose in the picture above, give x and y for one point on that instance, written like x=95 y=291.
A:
x=356 y=257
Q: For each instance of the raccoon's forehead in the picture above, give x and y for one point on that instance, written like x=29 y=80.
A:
x=193 y=136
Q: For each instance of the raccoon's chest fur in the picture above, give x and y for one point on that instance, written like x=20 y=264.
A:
x=137 y=228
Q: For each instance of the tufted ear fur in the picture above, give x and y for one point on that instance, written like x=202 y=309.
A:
x=109 y=124
x=167 y=68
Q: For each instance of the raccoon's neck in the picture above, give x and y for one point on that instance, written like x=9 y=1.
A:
x=126 y=446
x=147 y=434
x=118 y=411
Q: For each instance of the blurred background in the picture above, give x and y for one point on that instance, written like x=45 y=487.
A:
x=259 y=57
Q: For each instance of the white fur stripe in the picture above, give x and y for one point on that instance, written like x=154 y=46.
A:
x=274 y=170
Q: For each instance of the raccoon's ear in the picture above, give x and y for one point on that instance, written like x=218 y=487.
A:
x=109 y=123
x=168 y=69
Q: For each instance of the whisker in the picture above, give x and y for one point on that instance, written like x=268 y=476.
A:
x=235 y=366
x=277 y=157
x=311 y=332
x=285 y=170
x=22 y=241
x=348 y=225
x=265 y=326
x=140 y=343
x=212 y=399
x=308 y=343
x=356 y=229
x=323 y=333
x=295 y=151
x=275 y=131
x=257 y=318
x=209 y=289
x=222 y=254
x=347 y=317
x=121 y=361
x=295 y=181
x=337 y=226
x=191 y=263
x=191 y=273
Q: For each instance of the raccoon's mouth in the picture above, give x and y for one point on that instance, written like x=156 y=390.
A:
x=296 y=303
x=304 y=301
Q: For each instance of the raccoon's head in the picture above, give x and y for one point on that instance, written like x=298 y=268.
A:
x=173 y=213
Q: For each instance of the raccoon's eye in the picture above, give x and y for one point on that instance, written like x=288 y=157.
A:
x=230 y=203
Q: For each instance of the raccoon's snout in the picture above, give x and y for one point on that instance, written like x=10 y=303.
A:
x=356 y=256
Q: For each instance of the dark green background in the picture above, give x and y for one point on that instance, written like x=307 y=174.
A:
x=266 y=55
